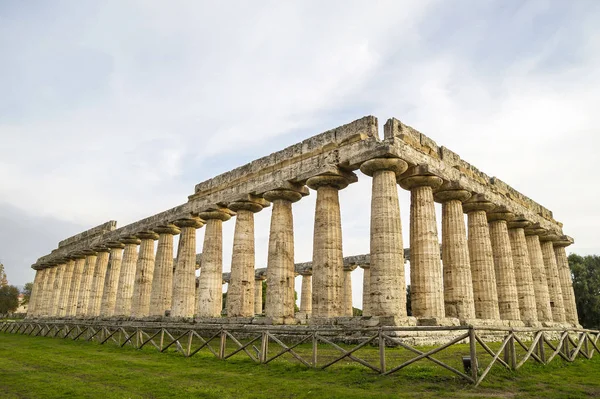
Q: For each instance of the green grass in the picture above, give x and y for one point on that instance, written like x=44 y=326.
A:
x=36 y=367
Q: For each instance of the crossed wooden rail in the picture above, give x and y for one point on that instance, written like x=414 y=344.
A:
x=538 y=345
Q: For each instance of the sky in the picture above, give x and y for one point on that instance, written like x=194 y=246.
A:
x=114 y=110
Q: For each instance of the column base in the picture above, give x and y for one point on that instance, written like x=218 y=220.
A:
x=438 y=321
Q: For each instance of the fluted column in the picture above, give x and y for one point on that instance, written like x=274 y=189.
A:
x=306 y=294
x=538 y=273
x=347 y=307
x=56 y=289
x=279 y=304
x=97 y=281
x=144 y=273
x=79 y=258
x=508 y=300
x=258 y=293
x=184 y=279
x=86 y=283
x=67 y=277
x=35 y=292
x=485 y=294
x=426 y=283
x=240 y=295
x=46 y=305
x=458 y=283
x=127 y=276
x=384 y=284
x=162 y=281
x=523 y=276
x=328 y=258
x=554 y=287
x=210 y=288
x=564 y=274
x=111 y=281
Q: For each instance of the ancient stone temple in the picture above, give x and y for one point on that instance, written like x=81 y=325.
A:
x=502 y=259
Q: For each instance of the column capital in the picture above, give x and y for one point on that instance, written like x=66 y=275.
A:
x=147 y=235
x=250 y=203
x=500 y=213
x=130 y=240
x=189 y=222
x=283 y=194
x=167 y=229
x=365 y=266
x=519 y=222
x=114 y=244
x=451 y=191
x=551 y=235
x=478 y=202
x=420 y=176
x=563 y=241
x=217 y=212
x=77 y=255
x=89 y=252
x=338 y=180
x=396 y=165
x=101 y=248
x=349 y=268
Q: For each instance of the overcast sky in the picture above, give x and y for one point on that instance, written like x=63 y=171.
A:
x=114 y=110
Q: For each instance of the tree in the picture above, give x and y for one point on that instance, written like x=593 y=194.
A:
x=27 y=293
x=9 y=299
x=586 y=284
x=3 y=280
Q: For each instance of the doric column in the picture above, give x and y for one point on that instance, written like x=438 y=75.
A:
x=258 y=294
x=306 y=294
x=458 y=283
x=162 y=281
x=328 y=258
x=240 y=295
x=554 y=287
x=508 y=300
x=35 y=292
x=56 y=289
x=426 y=284
x=184 y=279
x=144 y=273
x=79 y=258
x=46 y=305
x=485 y=293
x=538 y=273
x=127 y=276
x=279 y=304
x=386 y=273
x=523 y=276
x=111 y=281
x=366 y=297
x=210 y=288
x=86 y=283
x=564 y=274
x=347 y=307
x=63 y=302
x=97 y=286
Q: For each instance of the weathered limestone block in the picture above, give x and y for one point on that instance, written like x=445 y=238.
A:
x=210 y=289
x=35 y=292
x=240 y=294
x=426 y=289
x=327 y=245
x=98 y=281
x=46 y=305
x=279 y=304
x=508 y=300
x=458 y=283
x=554 y=287
x=384 y=292
x=523 y=276
x=144 y=273
x=127 y=276
x=347 y=291
x=538 y=273
x=184 y=279
x=485 y=293
x=86 y=283
x=56 y=289
x=566 y=284
x=66 y=287
x=162 y=281
x=79 y=258
x=258 y=294
x=111 y=281
x=306 y=294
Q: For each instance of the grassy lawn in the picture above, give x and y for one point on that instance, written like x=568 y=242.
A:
x=36 y=367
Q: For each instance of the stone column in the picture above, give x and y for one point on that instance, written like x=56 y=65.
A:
x=56 y=289
x=386 y=273
x=564 y=274
x=210 y=288
x=458 y=283
x=79 y=258
x=523 y=276
x=127 y=276
x=426 y=284
x=554 y=287
x=144 y=273
x=258 y=293
x=279 y=304
x=111 y=281
x=35 y=291
x=162 y=282
x=508 y=300
x=485 y=293
x=63 y=302
x=347 y=308
x=86 y=283
x=240 y=295
x=97 y=286
x=366 y=298
x=46 y=305
x=184 y=279
x=306 y=295
x=538 y=273
x=328 y=258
